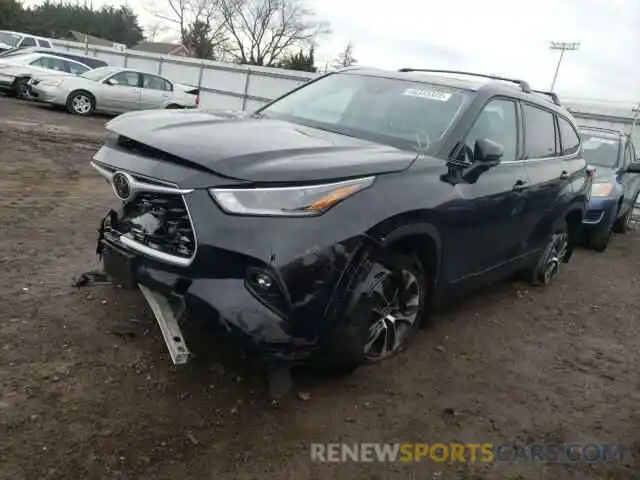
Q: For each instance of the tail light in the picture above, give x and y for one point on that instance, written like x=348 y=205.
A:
x=198 y=101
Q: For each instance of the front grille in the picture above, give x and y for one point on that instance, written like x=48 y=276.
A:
x=159 y=221
x=593 y=215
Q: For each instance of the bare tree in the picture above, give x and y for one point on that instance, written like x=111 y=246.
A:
x=199 y=22
x=262 y=31
x=345 y=59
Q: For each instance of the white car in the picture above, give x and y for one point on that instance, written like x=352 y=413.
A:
x=9 y=40
x=17 y=70
x=113 y=90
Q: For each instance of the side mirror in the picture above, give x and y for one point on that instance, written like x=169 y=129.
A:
x=108 y=81
x=487 y=151
x=634 y=167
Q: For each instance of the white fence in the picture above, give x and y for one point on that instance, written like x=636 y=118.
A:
x=223 y=85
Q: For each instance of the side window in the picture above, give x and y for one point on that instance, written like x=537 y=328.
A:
x=156 y=83
x=49 y=63
x=75 y=68
x=540 y=132
x=496 y=122
x=44 y=43
x=570 y=140
x=125 y=79
x=28 y=42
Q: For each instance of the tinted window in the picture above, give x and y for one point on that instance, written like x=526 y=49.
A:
x=540 y=133
x=600 y=150
x=50 y=63
x=125 y=79
x=44 y=43
x=407 y=114
x=155 y=83
x=568 y=136
x=75 y=68
x=28 y=42
x=496 y=122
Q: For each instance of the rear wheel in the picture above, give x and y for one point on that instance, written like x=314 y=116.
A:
x=21 y=89
x=384 y=317
x=81 y=103
x=549 y=262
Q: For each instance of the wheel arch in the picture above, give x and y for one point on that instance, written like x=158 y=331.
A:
x=573 y=218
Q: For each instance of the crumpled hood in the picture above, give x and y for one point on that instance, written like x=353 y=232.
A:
x=257 y=149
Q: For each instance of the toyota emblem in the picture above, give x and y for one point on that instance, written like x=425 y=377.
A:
x=122 y=185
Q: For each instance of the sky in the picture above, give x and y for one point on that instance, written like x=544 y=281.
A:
x=502 y=37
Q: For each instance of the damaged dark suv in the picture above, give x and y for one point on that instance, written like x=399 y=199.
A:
x=320 y=228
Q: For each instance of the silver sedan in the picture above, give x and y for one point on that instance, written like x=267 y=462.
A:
x=113 y=90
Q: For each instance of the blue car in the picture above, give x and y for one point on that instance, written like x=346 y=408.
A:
x=616 y=184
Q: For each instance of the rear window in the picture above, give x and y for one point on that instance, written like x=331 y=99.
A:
x=406 y=114
x=600 y=150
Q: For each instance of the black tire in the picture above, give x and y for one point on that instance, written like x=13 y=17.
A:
x=367 y=317
x=173 y=106
x=548 y=263
x=21 y=89
x=622 y=224
x=81 y=103
x=599 y=240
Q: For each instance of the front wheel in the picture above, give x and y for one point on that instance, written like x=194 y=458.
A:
x=385 y=315
x=81 y=103
x=549 y=262
x=623 y=224
x=599 y=240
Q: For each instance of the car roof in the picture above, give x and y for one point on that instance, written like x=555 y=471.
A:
x=22 y=34
x=472 y=82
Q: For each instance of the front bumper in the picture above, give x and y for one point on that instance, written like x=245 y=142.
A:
x=600 y=213
x=45 y=94
x=217 y=296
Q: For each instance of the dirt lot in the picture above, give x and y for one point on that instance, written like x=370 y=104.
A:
x=87 y=389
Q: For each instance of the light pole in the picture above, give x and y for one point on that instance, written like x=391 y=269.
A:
x=562 y=46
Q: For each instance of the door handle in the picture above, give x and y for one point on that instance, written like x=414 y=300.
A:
x=519 y=185
x=564 y=175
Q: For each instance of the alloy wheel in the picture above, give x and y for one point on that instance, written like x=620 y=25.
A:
x=558 y=246
x=395 y=312
x=81 y=104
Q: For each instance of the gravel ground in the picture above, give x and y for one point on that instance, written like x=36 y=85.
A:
x=87 y=389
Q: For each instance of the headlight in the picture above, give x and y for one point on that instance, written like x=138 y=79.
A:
x=601 y=189
x=51 y=83
x=287 y=201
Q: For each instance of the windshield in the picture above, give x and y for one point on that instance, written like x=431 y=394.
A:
x=600 y=150
x=10 y=39
x=98 y=73
x=405 y=114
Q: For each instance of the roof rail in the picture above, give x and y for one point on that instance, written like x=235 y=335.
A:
x=523 y=85
x=551 y=95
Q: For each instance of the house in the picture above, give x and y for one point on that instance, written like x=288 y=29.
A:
x=80 y=37
x=163 y=48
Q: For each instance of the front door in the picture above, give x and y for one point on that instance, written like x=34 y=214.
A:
x=490 y=199
x=120 y=92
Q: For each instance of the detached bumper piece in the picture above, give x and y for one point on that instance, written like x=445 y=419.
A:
x=167 y=315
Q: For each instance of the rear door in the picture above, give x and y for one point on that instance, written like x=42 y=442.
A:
x=546 y=172
x=120 y=92
x=156 y=92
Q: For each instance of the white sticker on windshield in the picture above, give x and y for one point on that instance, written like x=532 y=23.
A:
x=430 y=93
